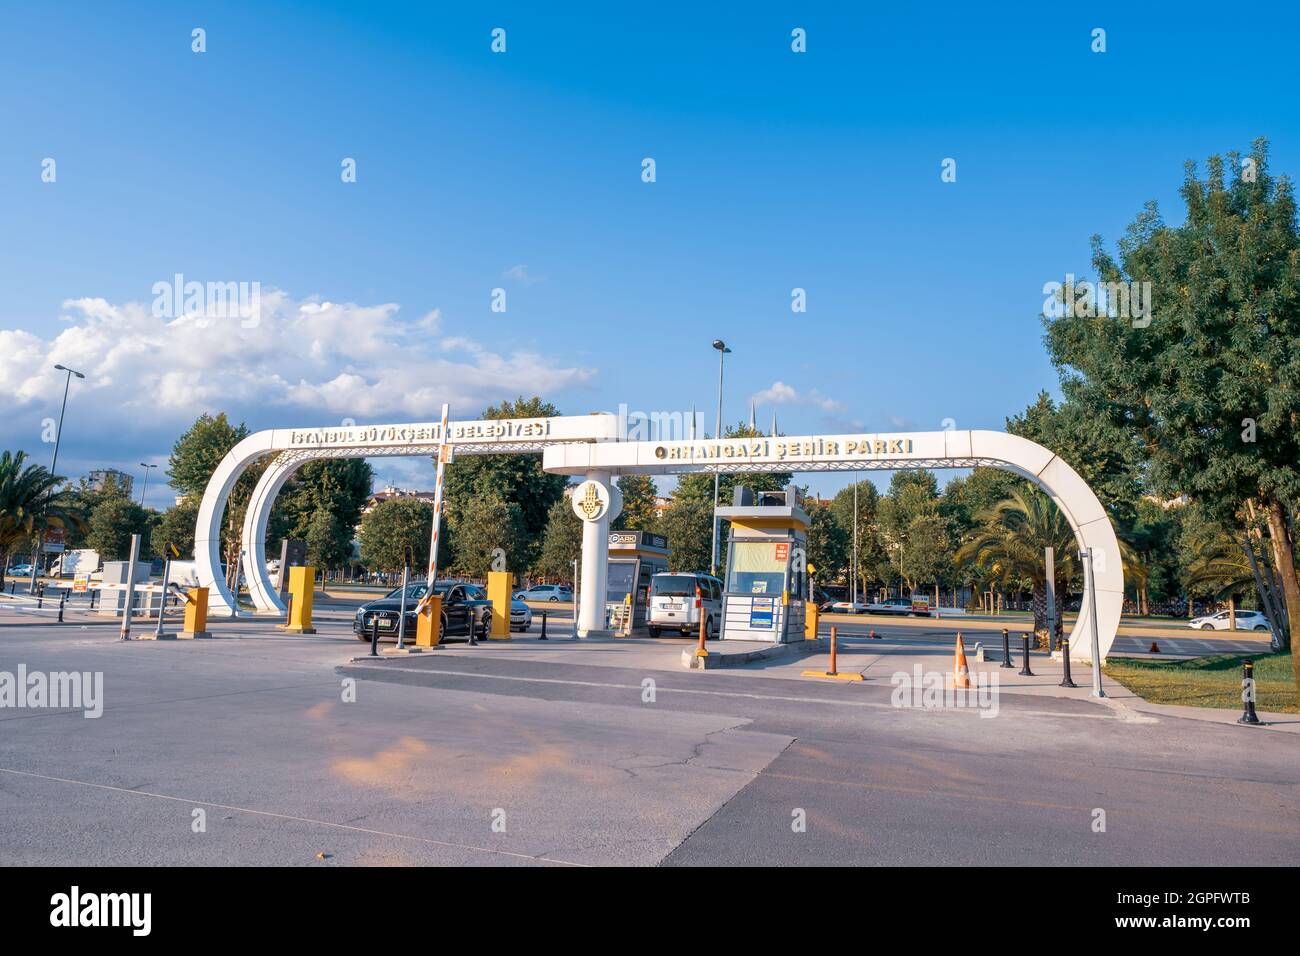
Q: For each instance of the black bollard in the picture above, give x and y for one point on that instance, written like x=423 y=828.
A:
x=473 y=624
x=1025 y=671
x=62 y=598
x=1248 y=715
x=1006 y=648
x=374 y=636
x=1067 y=680
x=40 y=597
x=543 y=637
x=93 y=594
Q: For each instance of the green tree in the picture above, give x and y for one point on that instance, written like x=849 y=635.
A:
x=872 y=563
x=640 y=499
x=194 y=458
x=688 y=526
x=481 y=526
x=328 y=543
x=919 y=551
x=29 y=502
x=1208 y=385
x=114 y=520
x=517 y=479
x=561 y=543
x=829 y=545
x=1010 y=544
x=177 y=527
x=339 y=487
x=395 y=533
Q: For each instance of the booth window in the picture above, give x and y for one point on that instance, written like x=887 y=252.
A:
x=756 y=568
x=619 y=585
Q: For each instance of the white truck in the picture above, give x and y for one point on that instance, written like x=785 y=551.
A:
x=81 y=562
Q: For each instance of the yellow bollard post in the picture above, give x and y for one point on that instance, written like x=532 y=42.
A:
x=302 y=582
x=498 y=590
x=811 y=620
x=428 y=623
x=196 y=614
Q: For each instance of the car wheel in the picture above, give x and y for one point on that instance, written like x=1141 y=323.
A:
x=708 y=628
x=1260 y=627
x=554 y=599
x=654 y=631
x=1207 y=627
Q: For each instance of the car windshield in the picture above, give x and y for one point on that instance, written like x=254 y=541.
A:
x=416 y=591
x=672 y=585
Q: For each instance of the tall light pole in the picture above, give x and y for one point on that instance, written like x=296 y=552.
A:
x=54 y=462
x=854 y=563
x=144 y=487
x=721 y=346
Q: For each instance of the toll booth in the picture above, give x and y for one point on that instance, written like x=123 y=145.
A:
x=634 y=557
x=767 y=578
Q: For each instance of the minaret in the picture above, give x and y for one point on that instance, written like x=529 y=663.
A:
x=692 y=422
x=752 y=409
x=773 y=433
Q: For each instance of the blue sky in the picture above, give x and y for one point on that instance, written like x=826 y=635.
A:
x=521 y=170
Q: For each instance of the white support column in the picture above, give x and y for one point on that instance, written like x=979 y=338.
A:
x=596 y=501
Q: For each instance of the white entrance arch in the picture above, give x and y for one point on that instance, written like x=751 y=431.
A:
x=288 y=449
x=590 y=445
x=890 y=452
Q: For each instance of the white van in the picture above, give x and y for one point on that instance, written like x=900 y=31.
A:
x=674 y=606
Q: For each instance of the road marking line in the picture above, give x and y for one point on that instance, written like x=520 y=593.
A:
x=285 y=816
x=718 y=693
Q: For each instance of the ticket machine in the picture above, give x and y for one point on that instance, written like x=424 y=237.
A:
x=767 y=578
x=634 y=556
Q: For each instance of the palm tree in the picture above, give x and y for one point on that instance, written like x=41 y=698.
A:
x=1009 y=549
x=27 y=504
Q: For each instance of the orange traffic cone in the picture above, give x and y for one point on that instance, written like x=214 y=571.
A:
x=1155 y=648
x=960 y=672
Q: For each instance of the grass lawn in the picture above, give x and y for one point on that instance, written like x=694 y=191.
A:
x=1210 y=681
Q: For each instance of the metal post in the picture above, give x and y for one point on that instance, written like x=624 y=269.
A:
x=543 y=637
x=1090 y=582
x=717 y=436
x=162 y=604
x=1049 y=560
x=1025 y=671
x=832 y=672
x=576 y=584
x=1006 y=648
x=62 y=599
x=374 y=635
x=1248 y=715
x=128 y=606
x=401 y=621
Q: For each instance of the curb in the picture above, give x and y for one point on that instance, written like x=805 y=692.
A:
x=718 y=659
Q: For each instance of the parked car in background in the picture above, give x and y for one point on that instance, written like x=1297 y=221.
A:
x=20 y=571
x=892 y=606
x=844 y=607
x=545 y=592
x=463 y=606
x=1246 y=621
x=521 y=616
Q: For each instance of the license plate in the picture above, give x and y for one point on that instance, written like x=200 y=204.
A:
x=676 y=606
x=386 y=623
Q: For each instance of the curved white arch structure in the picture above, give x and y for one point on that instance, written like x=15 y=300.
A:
x=891 y=452
x=588 y=445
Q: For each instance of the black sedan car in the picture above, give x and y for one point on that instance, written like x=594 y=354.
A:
x=463 y=606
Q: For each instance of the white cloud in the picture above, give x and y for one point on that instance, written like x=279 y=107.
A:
x=305 y=362
x=779 y=393
x=519 y=273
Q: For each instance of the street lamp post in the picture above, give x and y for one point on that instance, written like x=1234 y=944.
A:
x=721 y=346
x=54 y=462
x=145 y=486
